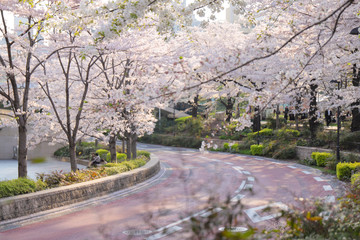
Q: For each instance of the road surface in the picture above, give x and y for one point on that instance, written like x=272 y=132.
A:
x=179 y=191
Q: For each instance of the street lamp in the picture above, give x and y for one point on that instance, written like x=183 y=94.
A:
x=338 y=125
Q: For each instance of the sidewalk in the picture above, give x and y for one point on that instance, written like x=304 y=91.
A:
x=9 y=168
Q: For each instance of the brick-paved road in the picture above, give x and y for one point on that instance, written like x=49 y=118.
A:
x=182 y=189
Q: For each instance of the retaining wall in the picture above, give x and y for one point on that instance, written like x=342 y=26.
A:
x=305 y=152
x=17 y=206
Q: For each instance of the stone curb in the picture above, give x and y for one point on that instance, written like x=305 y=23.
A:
x=22 y=205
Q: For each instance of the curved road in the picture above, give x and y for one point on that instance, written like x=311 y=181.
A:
x=179 y=191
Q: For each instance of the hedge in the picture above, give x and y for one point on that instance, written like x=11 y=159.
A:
x=102 y=153
x=264 y=132
x=355 y=179
x=20 y=186
x=119 y=156
x=257 y=149
x=321 y=158
x=344 y=170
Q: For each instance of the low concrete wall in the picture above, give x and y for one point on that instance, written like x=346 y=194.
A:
x=13 y=207
x=305 y=152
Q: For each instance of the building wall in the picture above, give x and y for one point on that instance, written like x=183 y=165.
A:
x=8 y=140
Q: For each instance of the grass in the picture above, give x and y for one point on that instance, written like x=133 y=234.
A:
x=244 y=151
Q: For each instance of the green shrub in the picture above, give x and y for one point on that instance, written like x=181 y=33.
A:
x=226 y=147
x=308 y=162
x=287 y=134
x=349 y=157
x=143 y=153
x=355 y=180
x=38 y=160
x=235 y=147
x=176 y=141
x=52 y=179
x=119 y=156
x=19 y=186
x=266 y=132
x=344 y=170
x=102 y=153
x=115 y=170
x=349 y=141
x=271 y=122
x=270 y=147
x=287 y=152
x=62 y=152
x=321 y=158
x=257 y=149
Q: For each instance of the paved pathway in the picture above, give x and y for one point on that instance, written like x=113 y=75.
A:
x=9 y=168
x=180 y=191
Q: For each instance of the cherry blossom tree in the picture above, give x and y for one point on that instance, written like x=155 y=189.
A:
x=20 y=58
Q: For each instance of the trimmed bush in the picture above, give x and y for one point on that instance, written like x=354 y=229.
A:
x=344 y=170
x=257 y=149
x=115 y=170
x=176 y=141
x=143 y=153
x=266 y=132
x=287 y=133
x=102 y=153
x=226 y=146
x=235 y=147
x=119 y=156
x=321 y=158
x=20 y=186
x=355 y=180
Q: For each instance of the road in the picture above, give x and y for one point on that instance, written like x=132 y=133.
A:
x=179 y=191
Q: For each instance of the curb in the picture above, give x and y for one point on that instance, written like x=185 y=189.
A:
x=22 y=205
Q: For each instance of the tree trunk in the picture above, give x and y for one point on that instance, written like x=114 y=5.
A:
x=112 y=147
x=277 y=117
x=237 y=111
x=123 y=144
x=128 y=147
x=195 y=107
x=297 y=121
x=229 y=109
x=72 y=150
x=355 y=122
x=133 y=146
x=313 y=124
x=22 y=152
x=257 y=120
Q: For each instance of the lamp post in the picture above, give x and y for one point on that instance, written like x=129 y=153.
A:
x=338 y=125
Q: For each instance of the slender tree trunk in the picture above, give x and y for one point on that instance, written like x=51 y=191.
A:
x=277 y=117
x=237 y=111
x=72 y=150
x=229 y=109
x=112 y=147
x=313 y=124
x=22 y=152
x=195 y=106
x=257 y=120
x=123 y=144
x=355 y=122
x=297 y=121
x=133 y=146
x=128 y=147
